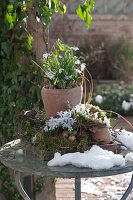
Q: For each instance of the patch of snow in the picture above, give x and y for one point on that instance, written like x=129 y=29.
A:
x=129 y=157
x=125 y=137
x=107 y=122
x=90 y=188
x=95 y=158
x=97 y=180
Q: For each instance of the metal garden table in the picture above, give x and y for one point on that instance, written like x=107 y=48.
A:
x=31 y=164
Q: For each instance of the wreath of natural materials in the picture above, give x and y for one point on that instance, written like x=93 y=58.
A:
x=73 y=130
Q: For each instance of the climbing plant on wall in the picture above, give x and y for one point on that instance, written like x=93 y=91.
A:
x=20 y=83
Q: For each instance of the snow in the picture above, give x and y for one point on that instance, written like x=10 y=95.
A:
x=125 y=137
x=107 y=122
x=95 y=158
x=111 y=188
x=129 y=157
x=99 y=99
x=90 y=188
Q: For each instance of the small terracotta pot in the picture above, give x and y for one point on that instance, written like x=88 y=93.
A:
x=102 y=134
x=55 y=100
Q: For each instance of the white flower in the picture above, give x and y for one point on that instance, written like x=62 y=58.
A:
x=126 y=105
x=99 y=99
x=49 y=4
x=50 y=74
x=74 y=48
x=83 y=66
x=45 y=55
x=96 y=115
x=33 y=139
x=68 y=77
x=82 y=109
x=77 y=62
x=46 y=129
x=77 y=71
x=61 y=70
x=65 y=121
x=24 y=19
x=38 y=19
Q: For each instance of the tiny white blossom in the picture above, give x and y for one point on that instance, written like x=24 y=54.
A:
x=74 y=48
x=83 y=66
x=46 y=55
x=77 y=62
x=38 y=19
x=33 y=139
x=96 y=115
x=24 y=19
x=68 y=77
x=77 y=71
x=50 y=74
x=99 y=99
x=46 y=129
x=61 y=70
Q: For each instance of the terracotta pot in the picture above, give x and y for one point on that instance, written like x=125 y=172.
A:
x=102 y=134
x=55 y=100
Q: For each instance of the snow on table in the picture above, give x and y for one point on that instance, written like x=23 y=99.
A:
x=95 y=158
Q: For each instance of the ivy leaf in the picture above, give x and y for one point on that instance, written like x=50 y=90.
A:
x=88 y=19
x=80 y=12
x=62 y=8
x=36 y=3
x=20 y=31
x=84 y=11
x=55 y=1
x=29 y=40
x=6 y=47
x=92 y=4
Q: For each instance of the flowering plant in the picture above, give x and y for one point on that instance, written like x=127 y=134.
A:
x=61 y=67
x=73 y=129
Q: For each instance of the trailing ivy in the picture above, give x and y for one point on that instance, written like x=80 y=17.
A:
x=17 y=91
x=19 y=88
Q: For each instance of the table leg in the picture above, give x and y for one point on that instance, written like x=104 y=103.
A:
x=130 y=187
x=77 y=189
x=19 y=186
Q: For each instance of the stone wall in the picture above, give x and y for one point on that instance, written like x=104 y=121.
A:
x=108 y=27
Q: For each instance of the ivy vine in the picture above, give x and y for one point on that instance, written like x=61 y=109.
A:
x=20 y=85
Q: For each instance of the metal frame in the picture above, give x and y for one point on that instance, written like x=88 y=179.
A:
x=19 y=186
x=21 y=190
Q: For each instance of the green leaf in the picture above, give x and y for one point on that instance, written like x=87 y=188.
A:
x=88 y=19
x=55 y=1
x=62 y=8
x=92 y=4
x=20 y=31
x=36 y=3
x=79 y=12
x=29 y=40
x=6 y=47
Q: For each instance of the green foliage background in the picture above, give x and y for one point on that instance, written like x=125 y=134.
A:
x=20 y=85
x=113 y=96
x=17 y=91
